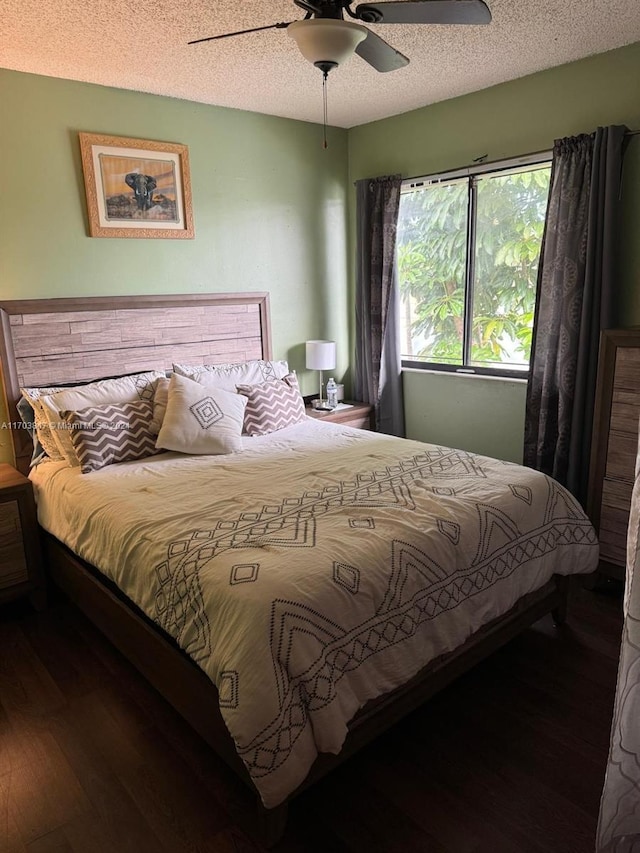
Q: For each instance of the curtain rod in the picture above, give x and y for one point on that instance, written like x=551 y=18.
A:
x=532 y=154
x=481 y=162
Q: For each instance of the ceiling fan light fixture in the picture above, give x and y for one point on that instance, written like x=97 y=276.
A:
x=326 y=42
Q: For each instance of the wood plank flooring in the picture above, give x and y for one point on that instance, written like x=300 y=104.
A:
x=509 y=759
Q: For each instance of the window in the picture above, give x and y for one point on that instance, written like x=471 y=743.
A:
x=468 y=248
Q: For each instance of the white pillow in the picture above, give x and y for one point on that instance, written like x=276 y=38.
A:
x=201 y=420
x=159 y=404
x=227 y=376
x=124 y=389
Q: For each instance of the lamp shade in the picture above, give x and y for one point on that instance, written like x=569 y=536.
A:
x=326 y=40
x=320 y=355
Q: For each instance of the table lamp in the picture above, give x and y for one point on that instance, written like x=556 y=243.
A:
x=320 y=355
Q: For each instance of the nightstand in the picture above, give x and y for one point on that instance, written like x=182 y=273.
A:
x=358 y=415
x=20 y=558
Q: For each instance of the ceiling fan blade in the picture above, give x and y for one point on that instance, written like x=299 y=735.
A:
x=425 y=12
x=280 y=26
x=379 y=54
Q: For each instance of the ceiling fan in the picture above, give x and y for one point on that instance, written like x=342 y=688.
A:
x=326 y=39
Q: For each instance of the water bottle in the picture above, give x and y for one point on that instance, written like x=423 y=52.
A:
x=332 y=393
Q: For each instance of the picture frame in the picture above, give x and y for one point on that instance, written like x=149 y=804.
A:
x=136 y=187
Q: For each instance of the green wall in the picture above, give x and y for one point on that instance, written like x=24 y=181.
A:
x=511 y=119
x=478 y=414
x=269 y=207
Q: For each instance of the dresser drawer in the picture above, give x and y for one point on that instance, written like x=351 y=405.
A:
x=617 y=494
x=363 y=422
x=20 y=557
x=627 y=368
x=625 y=417
x=10 y=527
x=614 y=444
x=13 y=563
x=621 y=456
x=613 y=534
x=356 y=415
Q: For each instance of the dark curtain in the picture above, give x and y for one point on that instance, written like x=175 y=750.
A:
x=573 y=304
x=378 y=378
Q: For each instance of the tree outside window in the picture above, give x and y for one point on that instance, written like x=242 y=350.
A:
x=468 y=252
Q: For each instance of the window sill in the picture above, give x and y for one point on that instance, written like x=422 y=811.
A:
x=464 y=375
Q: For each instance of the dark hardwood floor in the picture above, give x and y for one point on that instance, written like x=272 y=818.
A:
x=509 y=759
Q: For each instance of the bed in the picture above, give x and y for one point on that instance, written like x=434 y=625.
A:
x=326 y=584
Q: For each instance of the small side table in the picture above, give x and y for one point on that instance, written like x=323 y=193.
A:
x=358 y=415
x=20 y=556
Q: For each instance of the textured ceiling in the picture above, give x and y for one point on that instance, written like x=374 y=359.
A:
x=142 y=45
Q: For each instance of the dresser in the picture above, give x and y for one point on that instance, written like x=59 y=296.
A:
x=614 y=445
x=20 y=559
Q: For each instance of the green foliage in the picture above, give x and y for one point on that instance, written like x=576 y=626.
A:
x=432 y=259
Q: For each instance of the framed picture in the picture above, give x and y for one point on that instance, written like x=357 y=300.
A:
x=136 y=187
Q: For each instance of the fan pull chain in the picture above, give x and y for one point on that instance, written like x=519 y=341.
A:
x=324 y=108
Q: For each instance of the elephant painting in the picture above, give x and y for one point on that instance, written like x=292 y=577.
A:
x=143 y=187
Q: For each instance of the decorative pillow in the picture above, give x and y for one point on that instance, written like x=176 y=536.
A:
x=227 y=376
x=201 y=420
x=102 y=435
x=28 y=418
x=44 y=436
x=160 y=399
x=272 y=405
x=123 y=389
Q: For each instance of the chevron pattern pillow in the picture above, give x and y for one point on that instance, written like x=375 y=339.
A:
x=114 y=433
x=103 y=392
x=273 y=405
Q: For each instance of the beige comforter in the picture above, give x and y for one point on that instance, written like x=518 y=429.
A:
x=319 y=568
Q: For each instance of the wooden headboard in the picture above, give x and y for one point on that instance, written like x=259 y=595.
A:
x=55 y=341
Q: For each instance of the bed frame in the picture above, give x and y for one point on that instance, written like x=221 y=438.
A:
x=53 y=341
